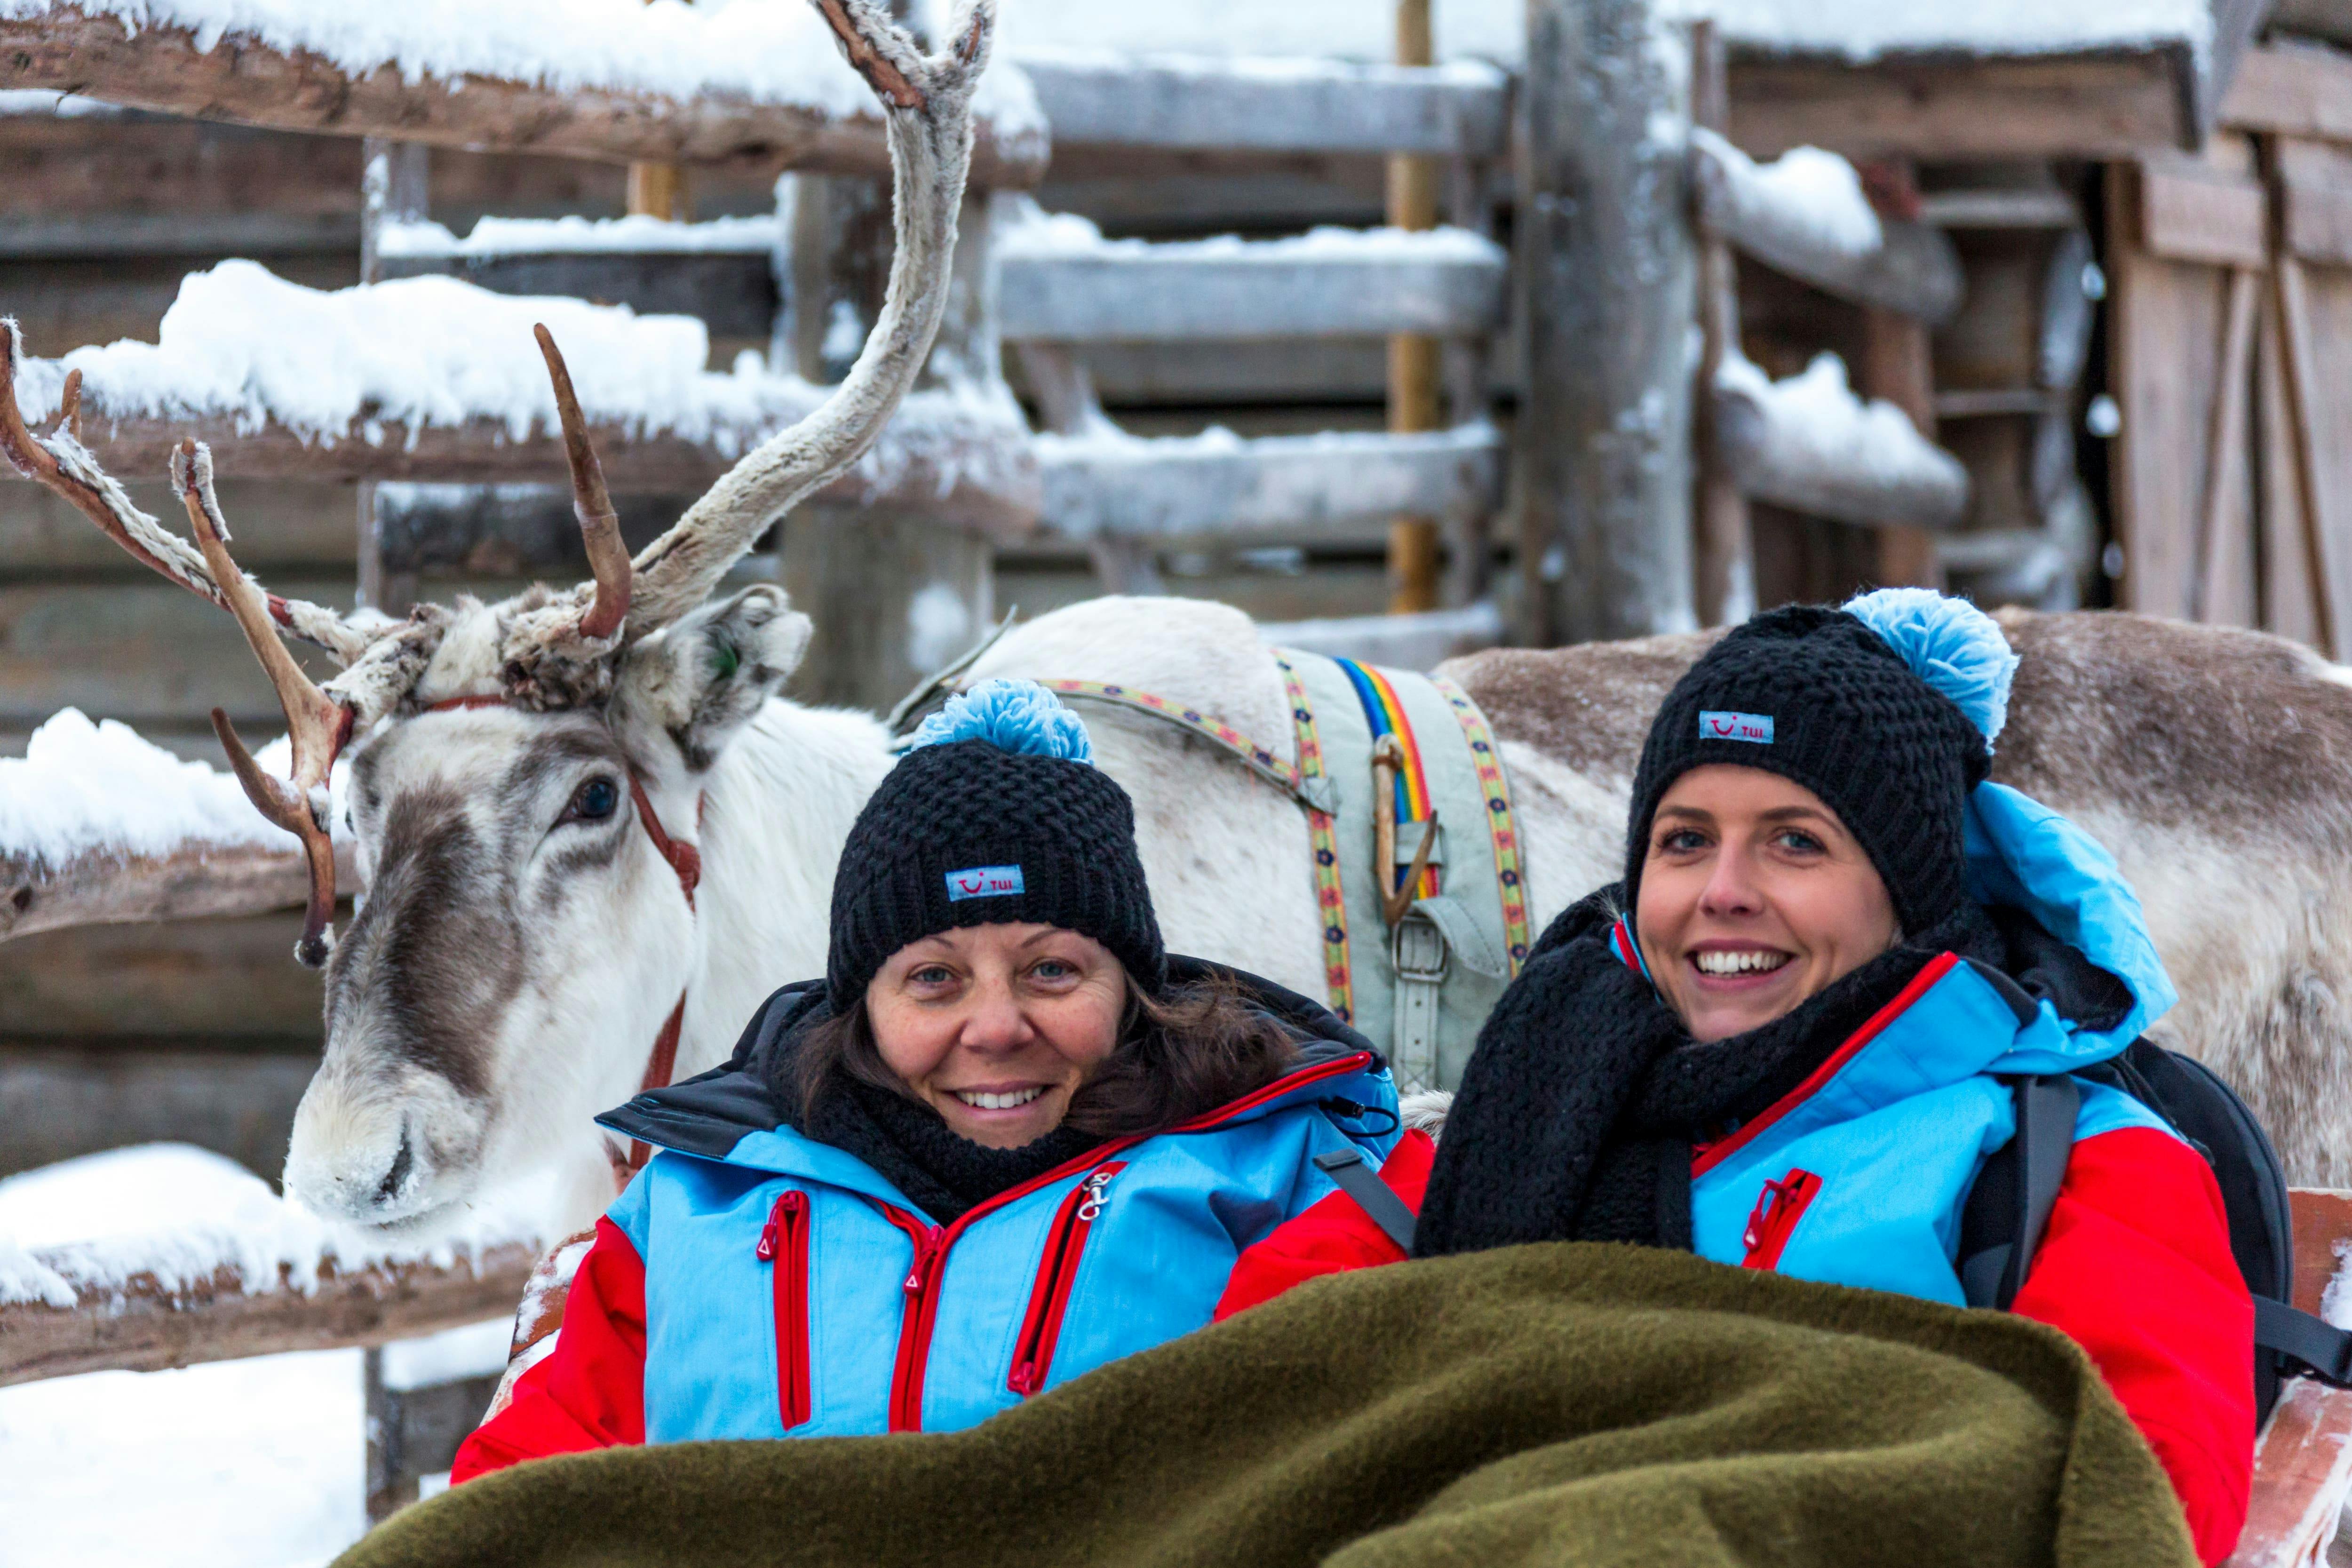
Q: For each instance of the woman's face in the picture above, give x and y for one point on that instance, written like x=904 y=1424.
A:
x=995 y=1026
x=1754 y=897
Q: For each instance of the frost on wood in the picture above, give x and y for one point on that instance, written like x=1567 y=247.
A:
x=1496 y=29
x=1026 y=229
x=1808 y=443
x=384 y=362
x=637 y=234
x=757 y=50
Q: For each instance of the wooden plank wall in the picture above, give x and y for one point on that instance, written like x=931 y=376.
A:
x=2233 y=311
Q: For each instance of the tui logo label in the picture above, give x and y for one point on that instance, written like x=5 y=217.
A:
x=1755 y=727
x=985 y=883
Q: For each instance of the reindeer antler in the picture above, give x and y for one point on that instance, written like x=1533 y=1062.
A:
x=316 y=724
x=60 y=463
x=600 y=526
x=928 y=105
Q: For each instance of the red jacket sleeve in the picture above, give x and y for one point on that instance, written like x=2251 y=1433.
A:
x=2136 y=1268
x=1334 y=1234
x=590 y=1391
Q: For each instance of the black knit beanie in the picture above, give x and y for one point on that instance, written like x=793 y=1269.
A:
x=997 y=816
x=1846 y=707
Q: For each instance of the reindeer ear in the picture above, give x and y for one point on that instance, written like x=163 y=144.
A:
x=700 y=679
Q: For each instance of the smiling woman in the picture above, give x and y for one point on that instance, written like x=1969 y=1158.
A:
x=1789 y=1039
x=1007 y=1138
x=1754 y=897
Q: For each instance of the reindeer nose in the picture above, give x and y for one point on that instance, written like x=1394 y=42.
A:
x=403 y=1161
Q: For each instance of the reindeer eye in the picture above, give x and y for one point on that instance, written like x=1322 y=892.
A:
x=593 y=801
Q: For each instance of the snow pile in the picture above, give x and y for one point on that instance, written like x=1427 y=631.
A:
x=181 y=1215
x=764 y=51
x=1808 y=198
x=82 y=787
x=635 y=235
x=242 y=345
x=1808 y=442
x=241 y=1464
x=1029 y=233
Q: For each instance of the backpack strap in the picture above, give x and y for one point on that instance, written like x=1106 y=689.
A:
x=1380 y=1202
x=2315 y=1346
x=2039 y=1152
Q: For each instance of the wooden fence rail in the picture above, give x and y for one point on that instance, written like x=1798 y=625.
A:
x=146 y=1319
x=173 y=68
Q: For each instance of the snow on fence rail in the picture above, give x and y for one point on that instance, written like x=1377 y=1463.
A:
x=1063 y=281
x=217 y=1267
x=609 y=80
x=1805 y=214
x=1808 y=443
x=1133 y=487
x=433 y=377
x=97 y=828
x=1270 y=105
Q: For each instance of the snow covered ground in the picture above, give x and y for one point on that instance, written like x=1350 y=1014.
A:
x=251 y=1464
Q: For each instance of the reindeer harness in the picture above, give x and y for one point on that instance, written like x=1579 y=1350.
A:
x=1374 y=794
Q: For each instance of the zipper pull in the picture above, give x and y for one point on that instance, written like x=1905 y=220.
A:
x=926 y=1247
x=772 y=1234
x=1760 y=1215
x=1093 y=1187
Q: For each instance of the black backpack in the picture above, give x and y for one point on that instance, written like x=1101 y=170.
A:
x=2002 y=1223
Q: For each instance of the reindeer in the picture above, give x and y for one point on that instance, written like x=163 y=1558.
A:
x=592 y=837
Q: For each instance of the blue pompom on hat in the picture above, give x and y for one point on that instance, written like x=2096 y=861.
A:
x=1949 y=644
x=1885 y=709
x=996 y=814
x=1018 y=716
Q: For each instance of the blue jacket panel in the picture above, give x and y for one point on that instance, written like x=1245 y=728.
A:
x=787 y=1279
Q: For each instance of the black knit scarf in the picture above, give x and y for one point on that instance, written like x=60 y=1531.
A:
x=1577 y=1111
x=906 y=1142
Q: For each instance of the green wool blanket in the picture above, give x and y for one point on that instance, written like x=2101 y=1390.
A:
x=1555 y=1404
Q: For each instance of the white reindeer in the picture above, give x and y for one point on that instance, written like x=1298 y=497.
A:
x=587 y=824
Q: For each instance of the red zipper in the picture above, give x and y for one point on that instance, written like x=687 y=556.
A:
x=785 y=1242
x=1057 y=1271
x=931 y=1242
x=1777 y=1209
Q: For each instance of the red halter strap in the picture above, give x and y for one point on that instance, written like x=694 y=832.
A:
x=686 y=861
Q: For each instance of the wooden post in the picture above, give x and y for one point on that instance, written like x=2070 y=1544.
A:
x=1608 y=260
x=1726 y=548
x=1412 y=361
x=1898 y=365
x=659 y=190
x=395 y=180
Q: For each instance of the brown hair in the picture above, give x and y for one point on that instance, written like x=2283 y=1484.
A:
x=1180 y=1053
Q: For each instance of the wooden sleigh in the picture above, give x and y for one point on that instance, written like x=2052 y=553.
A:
x=2302 y=1461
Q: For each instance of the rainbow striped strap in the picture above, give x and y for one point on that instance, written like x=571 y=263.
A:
x=1384 y=712
x=1510 y=868
x=1305 y=785
x=1330 y=902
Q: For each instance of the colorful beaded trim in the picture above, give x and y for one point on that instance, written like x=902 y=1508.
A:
x=1251 y=755
x=1510 y=869
x=1329 y=900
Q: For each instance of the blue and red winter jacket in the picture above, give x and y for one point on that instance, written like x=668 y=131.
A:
x=753 y=1282
x=1859 y=1175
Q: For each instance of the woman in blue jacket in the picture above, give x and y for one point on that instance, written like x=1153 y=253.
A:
x=1007 y=1138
